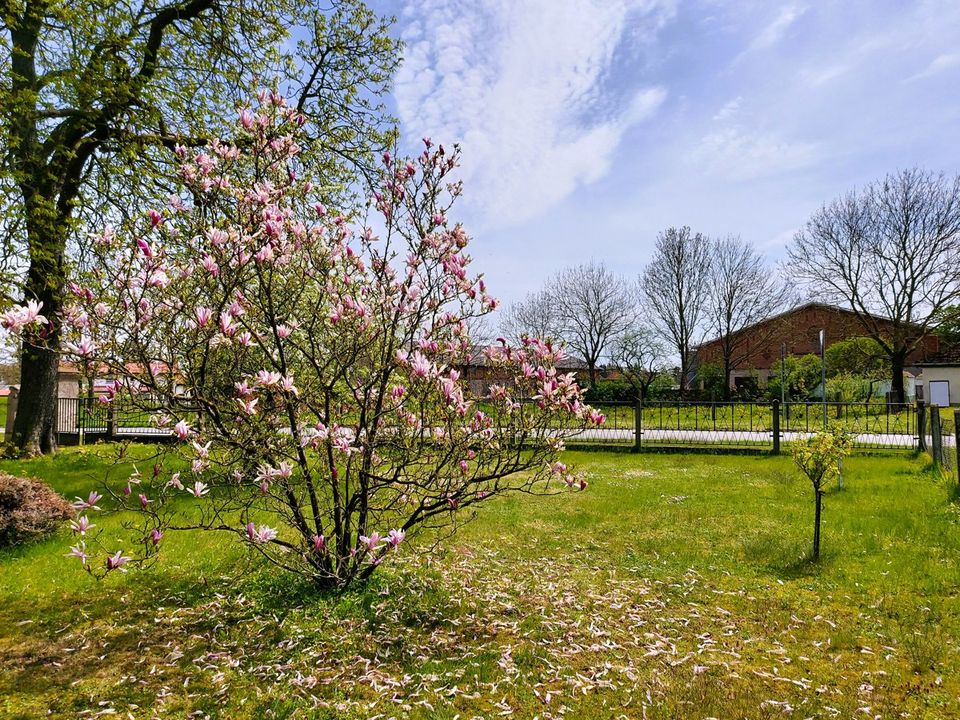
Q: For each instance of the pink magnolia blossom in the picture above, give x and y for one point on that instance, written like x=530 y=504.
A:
x=81 y=525
x=395 y=537
x=156 y=536
x=89 y=503
x=23 y=316
x=199 y=489
x=79 y=551
x=319 y=543
x=372 y=542
x=117 y=560
x=182 y=430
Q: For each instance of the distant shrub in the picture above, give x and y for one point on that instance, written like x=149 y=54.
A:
x=29 y=510
x=611 y=391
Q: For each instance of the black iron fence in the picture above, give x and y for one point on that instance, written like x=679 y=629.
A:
x=761 y=425
x=87 y=419
x=639 y=426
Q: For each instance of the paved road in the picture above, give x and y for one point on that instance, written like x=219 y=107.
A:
x=745 y=437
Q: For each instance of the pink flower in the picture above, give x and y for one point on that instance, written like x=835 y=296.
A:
x=117 y=560
x=182 y=430
x=203 y=315
x=79 y=551
x=260 y=535
x=175 y=481
x=419 y=365
x=372 y=542
x=199 y=489
x=90 y=502
x=319 y=543
x=583 y=484
x=248 y=407
x=85 y=348
x=81 y=525
x=156 y=536
x=395 y=537
x=145 y=247
x=246 y=119
x=155 y=218
x=21 y=316
x=144 y=501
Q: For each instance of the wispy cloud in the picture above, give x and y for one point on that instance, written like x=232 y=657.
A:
x=938 y=65
x=771 y=33
x=729 y=110
x=738 y=155
x=525 y=87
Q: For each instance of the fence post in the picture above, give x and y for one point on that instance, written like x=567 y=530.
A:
x=775 y=409
x=637 y=424
x=936 y=431
x=956 y=440
x=921 y=426
x=111 y=420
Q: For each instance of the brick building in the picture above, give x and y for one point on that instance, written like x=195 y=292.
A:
x=758 y=346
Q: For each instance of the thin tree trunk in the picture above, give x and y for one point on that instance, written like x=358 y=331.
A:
x=816 y=526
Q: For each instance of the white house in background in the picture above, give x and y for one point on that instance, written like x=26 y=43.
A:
x=940 y=376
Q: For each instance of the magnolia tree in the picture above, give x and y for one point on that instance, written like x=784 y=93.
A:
x=309 y=374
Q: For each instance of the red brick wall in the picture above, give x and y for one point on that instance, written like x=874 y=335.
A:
x=800 y=331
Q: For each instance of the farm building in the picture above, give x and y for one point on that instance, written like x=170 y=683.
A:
x=797 y=330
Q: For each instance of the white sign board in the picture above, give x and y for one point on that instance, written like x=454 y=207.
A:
x=939 y=393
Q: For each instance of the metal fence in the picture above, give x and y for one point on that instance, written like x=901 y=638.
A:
x=639 y=426
x=87 y=419
x=759 y=425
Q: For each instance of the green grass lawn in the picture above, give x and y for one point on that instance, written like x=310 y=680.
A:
x=676 y=586
x=3 y=414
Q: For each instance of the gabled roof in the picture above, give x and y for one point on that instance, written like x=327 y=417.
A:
x=797 y=309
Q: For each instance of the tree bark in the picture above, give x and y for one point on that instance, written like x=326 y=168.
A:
x=816 y=526
x=897 y=362
x=34 y=428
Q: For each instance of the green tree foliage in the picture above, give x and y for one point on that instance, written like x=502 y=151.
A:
x=712 y=379
x=818 y=458
x=98 y=95
x=858 y=356
x=802 y=375
x=948 y=325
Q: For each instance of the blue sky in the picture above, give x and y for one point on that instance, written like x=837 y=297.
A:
x=589 y=125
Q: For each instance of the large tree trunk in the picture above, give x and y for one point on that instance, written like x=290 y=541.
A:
x=34 y=429
x=897 y=361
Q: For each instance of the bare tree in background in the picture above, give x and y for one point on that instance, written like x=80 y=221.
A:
x=743 y=292
x=891 y=253
x=535 y=316
x=639 y=355
x=675 y=288
x=592 y=307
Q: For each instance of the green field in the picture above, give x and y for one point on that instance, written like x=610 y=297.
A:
x=3 y=414
x=675 y=587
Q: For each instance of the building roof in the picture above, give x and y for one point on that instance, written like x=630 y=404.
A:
x=791 y=311
x=946 y=357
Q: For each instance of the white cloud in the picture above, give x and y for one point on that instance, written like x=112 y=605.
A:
x=774 y=31
x=729 y=110
x=526 y=89
x=937 y=65
x=733 y=154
